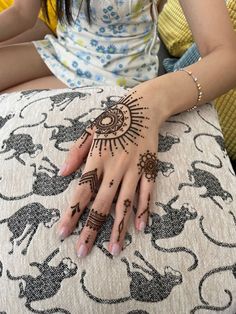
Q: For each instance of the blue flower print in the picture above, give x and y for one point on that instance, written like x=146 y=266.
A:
x=79 y=72
x=102 y=29
x=94 y=42
x=74 y=64
x=101 y=49
x=117 y=29
x=87 y=74
x=124 y=49
x=109 y=15
x=98 y=77
x=120 y=2
x=111 y=49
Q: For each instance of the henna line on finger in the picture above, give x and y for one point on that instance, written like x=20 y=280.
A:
x=75 y=209
x=85 y=135
x=127 y=204
x=147 y=208
x=95 y=220
x=91 y=178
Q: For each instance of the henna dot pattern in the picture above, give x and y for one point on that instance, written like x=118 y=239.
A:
x=127 y=204
x=85 y=135
x=75 y=209
x=95 y=220
x=119 y=125
x=87 y=239
x=111 y=183
x=148 y=165
x=91 y=178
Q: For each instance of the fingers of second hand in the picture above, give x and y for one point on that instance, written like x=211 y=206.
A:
x=85 y=189
x=97 y=216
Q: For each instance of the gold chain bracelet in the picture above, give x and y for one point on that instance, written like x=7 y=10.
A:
x=198 y=85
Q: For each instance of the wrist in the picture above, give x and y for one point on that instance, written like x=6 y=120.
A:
x=155 y=97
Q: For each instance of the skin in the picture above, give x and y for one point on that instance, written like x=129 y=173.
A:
x=37 y=32
x=163 y=96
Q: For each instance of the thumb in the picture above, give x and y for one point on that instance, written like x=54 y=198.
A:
x=77 y=153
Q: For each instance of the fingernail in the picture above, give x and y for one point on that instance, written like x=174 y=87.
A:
x=82 y=251
x=63 y=169
x=115 y=249
x=62 y=233
x=141 y=226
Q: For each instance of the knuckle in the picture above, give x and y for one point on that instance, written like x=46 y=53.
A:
x=82 y=191
x=101 y=203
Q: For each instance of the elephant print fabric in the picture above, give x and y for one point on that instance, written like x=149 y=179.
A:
x=183 y=262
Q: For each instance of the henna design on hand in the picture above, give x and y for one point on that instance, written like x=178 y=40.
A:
x=111 y=183
x=148 y=165
x=88 y=238
x=85 y=135
x=118 y=125
x=127 y=204
x=95 y=220
x=147 y=208
x=91 y=178
x=75 y=209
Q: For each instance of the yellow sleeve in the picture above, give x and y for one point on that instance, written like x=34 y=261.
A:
x=52 y=23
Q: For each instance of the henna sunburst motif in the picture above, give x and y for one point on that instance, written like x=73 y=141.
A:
x=119 y=125
x=148 y=165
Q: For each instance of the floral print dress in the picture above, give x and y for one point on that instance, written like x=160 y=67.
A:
x=118 y=47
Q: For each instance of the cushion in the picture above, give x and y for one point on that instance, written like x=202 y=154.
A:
x=184 y=262
x=225 y=104
x=191 y=56
x=174 y=30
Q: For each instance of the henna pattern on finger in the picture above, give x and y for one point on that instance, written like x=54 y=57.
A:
x=87 y=239
x=75 y=209
x=148 y=165
x=85 y=135
x=111 y=183
x=127 y=204
x=91 y=178
x=147 y=208
x=119 y=125
x=95 y=220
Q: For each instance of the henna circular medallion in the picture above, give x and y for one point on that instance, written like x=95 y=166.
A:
x=112 y=121
x=148 y=165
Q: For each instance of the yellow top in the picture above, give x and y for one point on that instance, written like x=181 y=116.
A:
x=52 y=23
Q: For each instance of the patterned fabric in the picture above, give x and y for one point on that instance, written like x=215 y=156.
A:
x=225 y=104
x=226 y=108
x=52 y=23
x=118 y=47
x=184 y=262
x=191 y=56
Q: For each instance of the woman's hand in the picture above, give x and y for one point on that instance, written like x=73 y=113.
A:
x=121 y=146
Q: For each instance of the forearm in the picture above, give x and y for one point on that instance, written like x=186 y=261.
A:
x=13 y=23
x=215 y=72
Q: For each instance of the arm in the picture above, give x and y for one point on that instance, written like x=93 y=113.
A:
x=216 y=40
x=21 y=16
